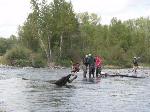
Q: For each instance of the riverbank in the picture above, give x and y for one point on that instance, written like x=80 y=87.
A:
x=62 y=67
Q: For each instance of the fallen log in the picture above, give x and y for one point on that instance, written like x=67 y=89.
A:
x=119 y=75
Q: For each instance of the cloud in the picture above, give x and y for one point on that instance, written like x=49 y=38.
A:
x=7 y=30
x=13 y=13
x=107 y=9
x=96 y=6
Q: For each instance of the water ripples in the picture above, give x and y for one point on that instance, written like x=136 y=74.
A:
x=31 y=90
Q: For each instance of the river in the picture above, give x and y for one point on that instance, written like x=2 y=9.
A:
x=111 y=94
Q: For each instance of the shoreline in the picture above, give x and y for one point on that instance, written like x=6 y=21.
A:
x=62 y=67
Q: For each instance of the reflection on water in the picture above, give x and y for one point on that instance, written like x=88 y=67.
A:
x=38 y=94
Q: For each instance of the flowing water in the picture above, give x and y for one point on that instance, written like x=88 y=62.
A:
x=115 y=94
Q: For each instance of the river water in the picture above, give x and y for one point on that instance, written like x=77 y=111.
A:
x=115 y=94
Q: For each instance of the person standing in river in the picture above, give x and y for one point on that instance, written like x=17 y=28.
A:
x=85 y=66
x=91 y=62
x=135 y=64
x=98 y=64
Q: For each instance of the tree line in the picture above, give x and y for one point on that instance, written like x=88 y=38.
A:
x=54 y=34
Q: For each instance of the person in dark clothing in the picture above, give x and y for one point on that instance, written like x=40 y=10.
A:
x=91 y=61
x=85 y=61
x=64 y=80
x=85 y=66
x=135 y=64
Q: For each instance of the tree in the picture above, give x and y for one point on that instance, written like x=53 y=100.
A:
x=7 y=43
x=90 y=29
x=64 y=22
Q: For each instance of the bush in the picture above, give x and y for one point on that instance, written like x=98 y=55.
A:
x=3 y=60
x=64 y=62
x=23 y=63
x=6 y=44
x=18 y=56
x=38 y=61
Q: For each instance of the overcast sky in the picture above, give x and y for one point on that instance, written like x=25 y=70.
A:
x=14 y=12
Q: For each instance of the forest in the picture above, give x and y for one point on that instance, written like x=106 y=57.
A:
x=53 y=34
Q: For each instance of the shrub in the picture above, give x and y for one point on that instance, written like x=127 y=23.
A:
x=38 y=61
x=3 y=60
x=63 y=62
x=23 y=63
x=6 y=44
x=18 y=56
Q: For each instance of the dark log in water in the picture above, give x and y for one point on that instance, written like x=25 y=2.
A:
x=119 y=75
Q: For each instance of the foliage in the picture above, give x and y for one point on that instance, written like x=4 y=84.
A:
x=38 y=61
x=3 y=46
x=3 y=60
x=64 y=62
x=21 y=62
x=54 y=31
x=18 y=56
x=6 y=44
x=50 y=26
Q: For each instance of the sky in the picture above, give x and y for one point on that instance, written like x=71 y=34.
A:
x=14 y=12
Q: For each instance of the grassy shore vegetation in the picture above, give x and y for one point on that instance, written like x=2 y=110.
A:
x=54 y=33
